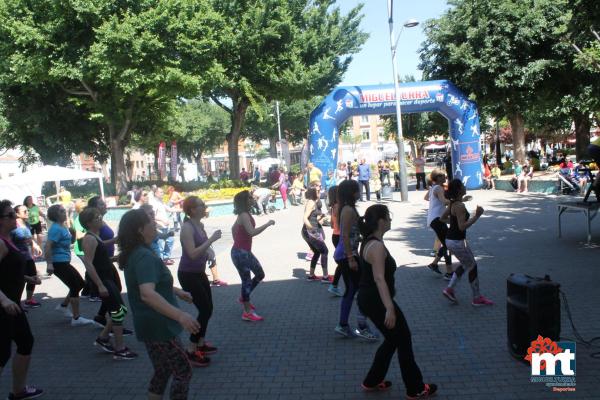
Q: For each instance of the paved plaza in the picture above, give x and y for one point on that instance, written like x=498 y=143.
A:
x=295 y=354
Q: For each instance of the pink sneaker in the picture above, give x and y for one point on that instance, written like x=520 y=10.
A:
x=449 y=293
x=218 y=283
x=252 y=317
x=482 y=301
x=241 y=301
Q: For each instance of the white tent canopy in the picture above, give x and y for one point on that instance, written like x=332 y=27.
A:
x=434 y=146
x=30 y=183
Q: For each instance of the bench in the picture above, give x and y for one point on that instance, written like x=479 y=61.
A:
x=589 y=209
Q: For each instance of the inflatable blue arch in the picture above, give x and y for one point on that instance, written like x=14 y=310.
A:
x=441 y=96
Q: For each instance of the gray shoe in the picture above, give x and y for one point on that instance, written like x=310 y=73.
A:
x=344 y=331
x=366 y=334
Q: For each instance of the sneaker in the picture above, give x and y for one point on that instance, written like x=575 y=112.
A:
x=336 y=291
x=482 y=301
x=251 y=316
x=124 y=354
x=104 y=344
x=241 y=301
x=383 y=385
x=434 y=268
x=81 y=321
x=365 y=333
x=126 y=332
x=29 y=392
x=308 y=257
x=207 y=349
x=449 y=293
x=327 y=279
x=433 y=253
x=94 y=299
x=218 y=283
x=344 y=331
x=64 y=310
x=313 y=278
x=428 y=391
x=198 y=359
x=448 y=276
x=32 y=304
x=168 y=261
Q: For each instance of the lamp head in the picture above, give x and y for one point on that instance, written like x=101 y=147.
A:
x=411 y=23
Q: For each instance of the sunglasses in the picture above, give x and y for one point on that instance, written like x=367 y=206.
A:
x=11 y=214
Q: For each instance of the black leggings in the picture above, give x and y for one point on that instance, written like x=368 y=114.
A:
x=338 y=271
x=198 y=286
x=396 y=340
x=441 y=230
x=318 y=247
x=14 y=329
x=116 y=279
x=30 y=270
x=70 y=277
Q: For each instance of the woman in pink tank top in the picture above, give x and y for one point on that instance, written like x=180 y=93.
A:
x=243 y=230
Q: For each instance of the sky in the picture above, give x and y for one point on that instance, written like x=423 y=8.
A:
x=373 y=64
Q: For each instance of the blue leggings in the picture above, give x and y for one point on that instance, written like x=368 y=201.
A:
x=351 y=280
x=245 y=262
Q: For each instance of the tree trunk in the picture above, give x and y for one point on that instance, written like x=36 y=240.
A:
x=273 y=147
x=118 y=172
x=582 y=134
x=517 y=125
x=239 y=112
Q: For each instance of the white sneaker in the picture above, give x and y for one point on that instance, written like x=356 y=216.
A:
x=64 y=310
x=81 y=321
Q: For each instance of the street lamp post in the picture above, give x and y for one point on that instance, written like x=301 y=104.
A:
x=399 y=137
x=280 y=151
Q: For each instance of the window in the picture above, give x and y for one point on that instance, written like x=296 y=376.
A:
x=380 y=134
x=364 y=119
x=366 y=135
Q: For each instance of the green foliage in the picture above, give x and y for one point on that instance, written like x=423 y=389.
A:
x=261 y=154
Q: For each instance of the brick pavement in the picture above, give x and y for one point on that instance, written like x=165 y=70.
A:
x=294 y=353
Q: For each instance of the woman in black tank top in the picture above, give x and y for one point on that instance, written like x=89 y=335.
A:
x=376 y=300
x=13 y=321
x=456 y=242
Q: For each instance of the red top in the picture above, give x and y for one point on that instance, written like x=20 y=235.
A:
x=241 y=239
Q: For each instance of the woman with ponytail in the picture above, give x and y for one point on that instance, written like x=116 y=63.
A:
x=346 y=255
x=456 y=241
x=376 y=301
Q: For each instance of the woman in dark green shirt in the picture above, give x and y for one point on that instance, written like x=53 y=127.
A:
x=157 y=319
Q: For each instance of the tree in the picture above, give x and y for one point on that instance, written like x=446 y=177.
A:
x=352 y=139
x=261 y=121
x=122 y=62
x=279 y=50
x=501 y=52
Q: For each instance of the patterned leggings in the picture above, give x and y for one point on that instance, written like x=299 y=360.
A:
x=462 y=251
x=169 y=358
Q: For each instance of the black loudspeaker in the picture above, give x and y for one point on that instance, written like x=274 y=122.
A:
x=532 y=309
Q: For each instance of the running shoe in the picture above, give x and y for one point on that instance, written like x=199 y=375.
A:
x=198 y=359
x=104 y=344
x=327 y=279
x=433 y=253
x=449 y=293
x=308 y=257
x=124 y=354
x=94 y=299
x=168 y=261
x=313 y=278
x=126 y=332
x=251 y=316
x=64 y=310
x=344 y=330
x=81 y=321
x=241 y=301
x=30 y=392
x=482 y=301
x=434 y=268
x=207 y=349
x=448 y=276
x=32 y=304
x=218 y=283
x=382 y=386
x=336 y=291
x=365 y=333
x=428 y=391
